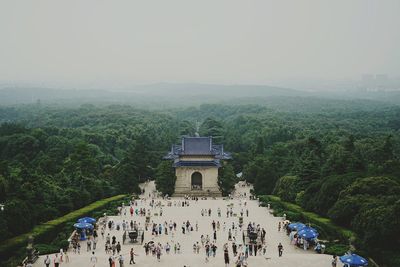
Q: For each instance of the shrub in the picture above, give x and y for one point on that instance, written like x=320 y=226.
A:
x=46 y=248
x=336 y=249
x=294 y=216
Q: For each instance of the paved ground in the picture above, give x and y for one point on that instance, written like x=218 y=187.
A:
x=291 y=257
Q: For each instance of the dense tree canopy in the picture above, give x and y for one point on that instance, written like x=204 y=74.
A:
x=226 y=178
x=338 y=158
x=165 y=178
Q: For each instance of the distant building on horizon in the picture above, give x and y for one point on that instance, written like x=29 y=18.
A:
x=378 y=82
x=196 y=161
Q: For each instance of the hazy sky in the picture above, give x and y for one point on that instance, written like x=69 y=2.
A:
x=208 y=41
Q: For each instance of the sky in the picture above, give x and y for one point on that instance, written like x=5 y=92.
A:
x=185 y=41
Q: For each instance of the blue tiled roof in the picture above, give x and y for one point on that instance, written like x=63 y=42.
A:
x=212 y=163
x=198 y=146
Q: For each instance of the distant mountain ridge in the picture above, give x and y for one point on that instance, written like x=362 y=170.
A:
x=161 y=95
x=166 y=91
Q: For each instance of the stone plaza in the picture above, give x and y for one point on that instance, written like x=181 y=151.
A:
x=292 y=256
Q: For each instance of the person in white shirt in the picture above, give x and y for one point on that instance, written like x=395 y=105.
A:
x=56 y=261
x=93 y=260
x=47 y=261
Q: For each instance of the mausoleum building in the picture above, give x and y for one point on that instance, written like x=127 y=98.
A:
x=196 y=161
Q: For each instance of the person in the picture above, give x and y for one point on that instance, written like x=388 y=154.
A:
x=56 y=261
x=93 y=259
x=318 y=248
x=280 y=249
x=47 y=261
x=305 y=244
x=89 y=244
x=226 y=255
x=113 y=248
x=94 y=243
x=108 y=238
x=66 y=257
x=334 y=261
x=110 y=260
x=132 y=254
x=214 y=249
x=238 y=263
x=61 y=254
x=158 y=253
x=121 y=261
x=234 y=249
x=263 y=233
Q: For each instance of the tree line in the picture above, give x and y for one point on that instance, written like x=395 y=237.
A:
x=341 y=163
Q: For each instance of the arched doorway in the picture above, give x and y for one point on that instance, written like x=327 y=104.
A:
x=197 y=181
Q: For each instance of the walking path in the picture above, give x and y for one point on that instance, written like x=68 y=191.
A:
x=292 y=256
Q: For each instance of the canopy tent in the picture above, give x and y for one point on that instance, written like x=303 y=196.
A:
x=308 y=233
x=296 y=226
x=308 y=228
x=87 y=220
x=82 y=226
x=353 y=260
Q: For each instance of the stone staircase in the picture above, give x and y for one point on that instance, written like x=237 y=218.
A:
x=183 y=191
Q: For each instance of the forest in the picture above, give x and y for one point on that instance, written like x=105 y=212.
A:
x=337 y=158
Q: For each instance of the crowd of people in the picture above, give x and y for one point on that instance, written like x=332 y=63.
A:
x=227 y=239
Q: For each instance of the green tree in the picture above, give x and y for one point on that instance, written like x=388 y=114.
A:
x=165 y=178
x=309 y=168
x=262 y=173
x=187 y=128
x=214 y=128
x=287 y=188
x=226 y=178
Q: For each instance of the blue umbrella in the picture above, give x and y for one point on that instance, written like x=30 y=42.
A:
x=87 y=220
x=308 y=233
x=83 y=225
x=296 y=226
x=354 y=260
x=308 y=228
